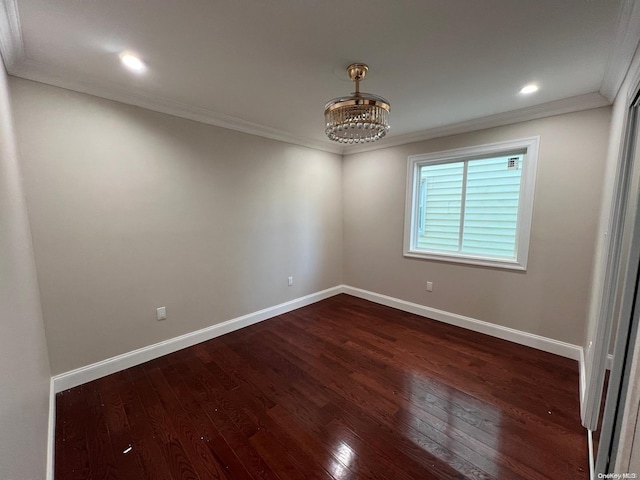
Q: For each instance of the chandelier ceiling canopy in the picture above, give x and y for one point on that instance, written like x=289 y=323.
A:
x=359 y=117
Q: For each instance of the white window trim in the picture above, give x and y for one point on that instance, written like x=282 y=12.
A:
x=525 y=208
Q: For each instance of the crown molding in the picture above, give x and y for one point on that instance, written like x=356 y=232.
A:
x=623 y=48
x=17 y=64
x=50 y=75
x=11 y=44
x=558 y=107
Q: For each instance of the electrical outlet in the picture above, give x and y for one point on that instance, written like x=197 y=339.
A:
x=429 y=286
x=290 y=281
x=161 y=313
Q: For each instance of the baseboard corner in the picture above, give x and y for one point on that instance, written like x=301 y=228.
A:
x=130 y=359
x=532 y=340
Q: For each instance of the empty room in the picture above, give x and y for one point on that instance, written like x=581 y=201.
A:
x=319 y=240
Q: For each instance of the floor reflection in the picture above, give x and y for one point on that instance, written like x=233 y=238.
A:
x=445 y=423
x=345 y=456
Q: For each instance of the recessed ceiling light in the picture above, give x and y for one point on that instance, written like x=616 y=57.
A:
x=531 y=88
x=131 y=61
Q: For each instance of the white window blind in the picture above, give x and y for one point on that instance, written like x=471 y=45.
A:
x=442 y=197
x=470 y=207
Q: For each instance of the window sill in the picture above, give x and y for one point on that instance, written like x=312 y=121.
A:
x=469 y=260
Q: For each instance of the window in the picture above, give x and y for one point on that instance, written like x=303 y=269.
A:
x=472 y=205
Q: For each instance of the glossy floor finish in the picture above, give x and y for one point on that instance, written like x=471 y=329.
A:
x=342 y=389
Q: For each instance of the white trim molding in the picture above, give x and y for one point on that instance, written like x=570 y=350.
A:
x=51 y=432
x=623 y=48
x=49 y=74
x=524 y=146
x=115 y=364
x=583 y=376
x=53 y=75
x=578 y=103
x=11 y=44
x=118 y=363
x=583 y=392
x=592 y=463
x=19 y=65
x=545 y=344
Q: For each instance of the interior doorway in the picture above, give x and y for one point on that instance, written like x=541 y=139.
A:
x=623 y=314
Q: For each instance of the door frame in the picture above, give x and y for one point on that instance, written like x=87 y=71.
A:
x=626 y=282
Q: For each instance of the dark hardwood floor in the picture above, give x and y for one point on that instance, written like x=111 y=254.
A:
x=342 y=389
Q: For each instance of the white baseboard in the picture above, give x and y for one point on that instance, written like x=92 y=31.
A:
x=592 y=463
x=583 y=378
x=115 y=364
x=51 y=431
x=121 y=362
x=583 y=382
x=106 y=367
x=545 y=344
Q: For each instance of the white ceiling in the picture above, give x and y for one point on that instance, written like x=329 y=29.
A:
x=268 y=67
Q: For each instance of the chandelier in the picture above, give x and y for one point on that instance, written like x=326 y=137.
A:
x=360 y=117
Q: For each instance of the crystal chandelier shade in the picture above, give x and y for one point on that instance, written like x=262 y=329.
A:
x=358 y=118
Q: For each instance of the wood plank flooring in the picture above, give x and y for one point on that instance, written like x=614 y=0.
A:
x=342 y=389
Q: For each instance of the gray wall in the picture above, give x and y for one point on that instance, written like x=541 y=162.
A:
x=24 y=366
x=551 y=298
x=133 y=209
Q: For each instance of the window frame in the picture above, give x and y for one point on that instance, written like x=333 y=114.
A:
x=530 y=146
